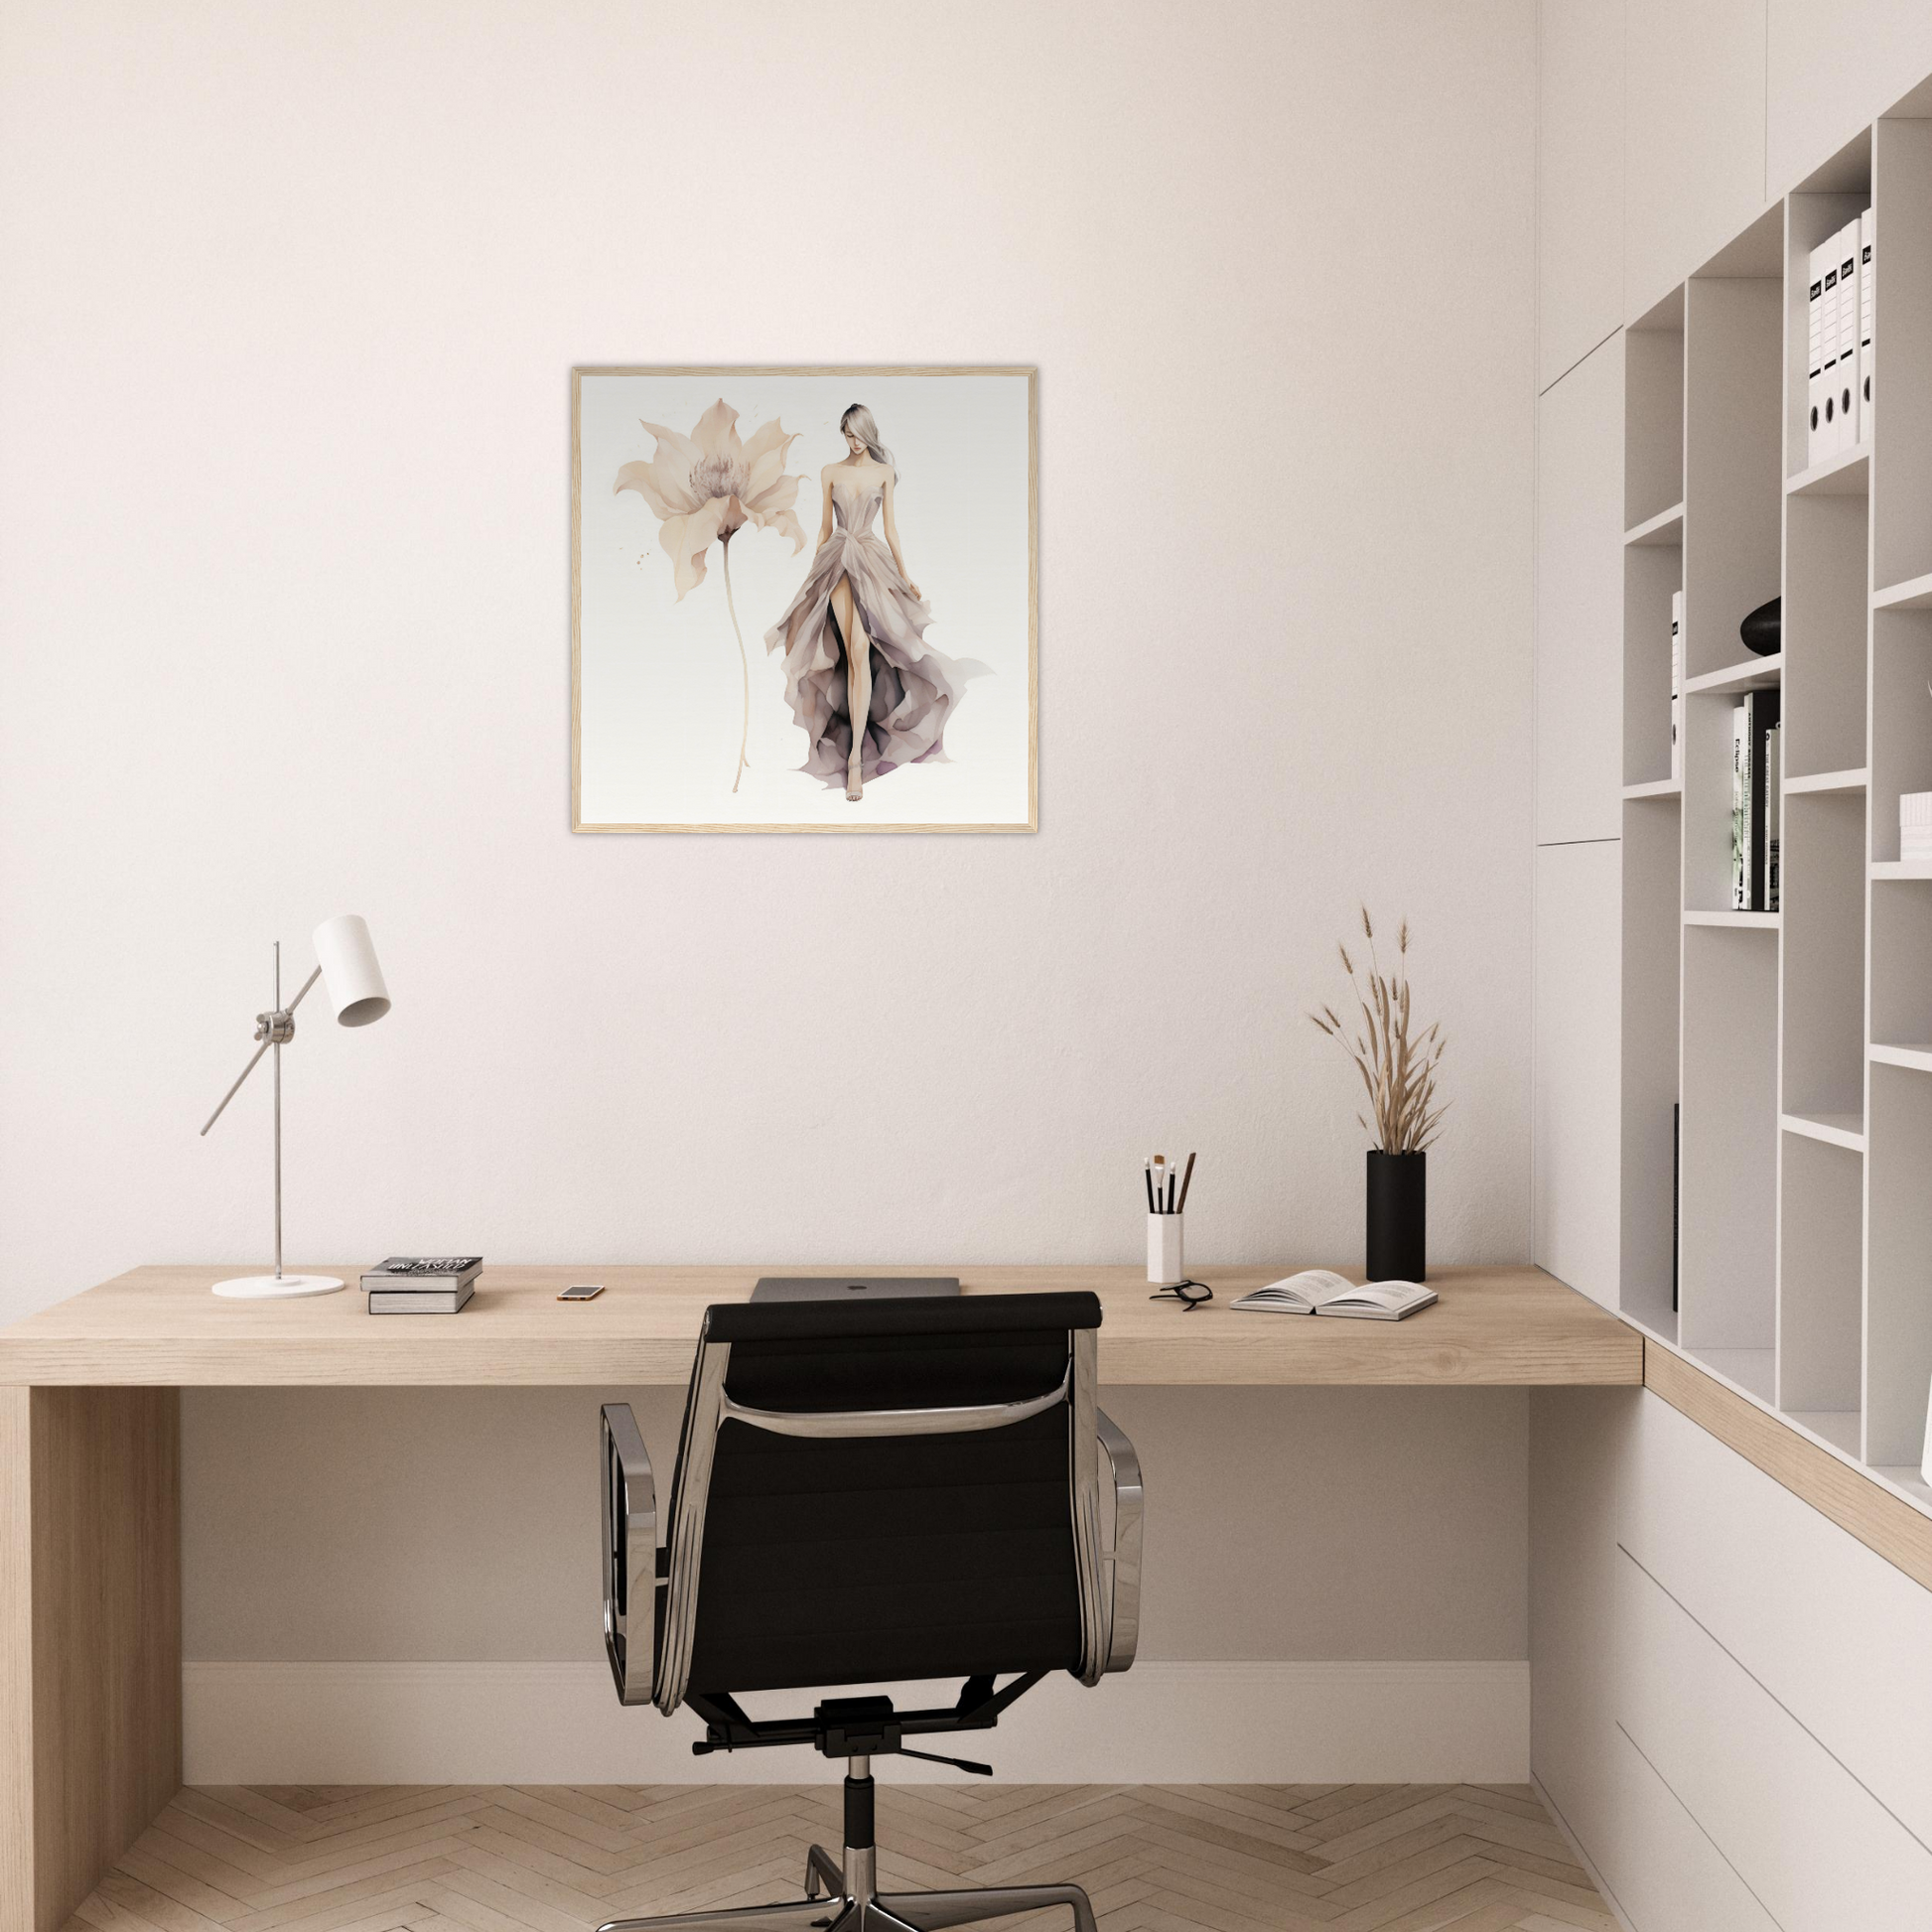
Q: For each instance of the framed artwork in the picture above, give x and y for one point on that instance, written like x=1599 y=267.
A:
x=804 y=599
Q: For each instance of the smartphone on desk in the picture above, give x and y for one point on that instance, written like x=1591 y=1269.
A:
x=582 y=1292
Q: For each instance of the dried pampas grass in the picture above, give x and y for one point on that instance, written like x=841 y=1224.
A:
x=1398 y=1071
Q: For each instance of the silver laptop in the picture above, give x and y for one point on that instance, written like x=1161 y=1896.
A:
x=849 y=1288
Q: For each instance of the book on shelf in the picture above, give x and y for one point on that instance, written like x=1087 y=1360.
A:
x=1676 y=1192
x=1847 y=336
x=1752 y=723
x=1752 y=816
x=1762 y=719
x=1741 y=811
x=1773 y=808
x=423 y=1274
x=1676 y=686
x=1825 y=260
x=1815 y=357
x=1867 y=301
x=420 y=1301
x=1320 y=1290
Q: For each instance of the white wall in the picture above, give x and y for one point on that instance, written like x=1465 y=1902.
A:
x=291 y=303
x=1282 y=1523
x=292 y=299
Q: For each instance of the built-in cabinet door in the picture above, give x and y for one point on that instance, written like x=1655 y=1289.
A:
x=1832 y=67
x=1579 y=180
x=1693 y=137
x=1576 y=1070
x=1729 y=1689
x=1579 y=601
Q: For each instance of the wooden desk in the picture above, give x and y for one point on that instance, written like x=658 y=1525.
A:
x=161 y=1327
x=89 y=1461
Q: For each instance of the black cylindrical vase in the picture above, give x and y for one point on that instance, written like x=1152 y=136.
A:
x=1398 y=1216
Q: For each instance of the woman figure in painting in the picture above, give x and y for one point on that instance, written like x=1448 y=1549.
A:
x=871 y=693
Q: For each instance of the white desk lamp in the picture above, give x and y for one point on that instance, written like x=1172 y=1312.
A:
x=352 y=981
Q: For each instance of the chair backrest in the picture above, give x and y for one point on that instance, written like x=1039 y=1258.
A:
x=886 y=1491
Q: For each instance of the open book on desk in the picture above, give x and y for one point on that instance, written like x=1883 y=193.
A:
x=1320 y=1290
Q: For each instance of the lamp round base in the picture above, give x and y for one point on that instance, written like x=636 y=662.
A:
x=276 y=1288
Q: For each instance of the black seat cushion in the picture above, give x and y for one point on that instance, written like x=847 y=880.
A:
x=862 y=1561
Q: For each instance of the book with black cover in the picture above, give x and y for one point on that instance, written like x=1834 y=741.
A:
x=413 y=1274
x=1676 y=1192
x=1761 y=715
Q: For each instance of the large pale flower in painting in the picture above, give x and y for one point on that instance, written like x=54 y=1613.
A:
x=708 y=486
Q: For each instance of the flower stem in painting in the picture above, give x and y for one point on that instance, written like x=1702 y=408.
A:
x=745 y=669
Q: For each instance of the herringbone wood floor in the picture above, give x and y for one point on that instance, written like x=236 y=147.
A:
x=561 y=1857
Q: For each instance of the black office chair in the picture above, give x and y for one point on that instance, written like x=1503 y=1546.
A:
x=866 y=1495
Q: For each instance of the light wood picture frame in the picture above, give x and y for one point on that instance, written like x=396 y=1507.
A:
x=729 y=524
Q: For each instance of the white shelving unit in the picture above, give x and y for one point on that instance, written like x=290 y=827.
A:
x=1797 y=1043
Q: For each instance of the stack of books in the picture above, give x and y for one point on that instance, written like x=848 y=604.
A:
x=422 y=1284
x=1756 y=832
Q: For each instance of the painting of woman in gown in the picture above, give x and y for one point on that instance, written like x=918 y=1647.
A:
x=853 y=640
x=870 y=709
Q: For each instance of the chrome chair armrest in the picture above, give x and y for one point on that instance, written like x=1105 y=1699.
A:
x=629 y=1555
x=1124 y=1558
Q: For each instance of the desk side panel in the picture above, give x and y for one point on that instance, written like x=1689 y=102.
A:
x=16 y=1665
x=103 y=1539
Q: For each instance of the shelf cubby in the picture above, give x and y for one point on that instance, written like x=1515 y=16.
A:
x=1652 y=573
x=1820 y=1256
x=1826 y=611
x=1652 y=952
x=1811 y=216
x=1653 y=433
x=1901 y=719
x=1734 y=481
x=1823 y=921
x=1898 y=1311
x=1901 y=963
x=1706 y=803
x=1730 y=1084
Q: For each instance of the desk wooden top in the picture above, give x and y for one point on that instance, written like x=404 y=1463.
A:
x=160 y=1327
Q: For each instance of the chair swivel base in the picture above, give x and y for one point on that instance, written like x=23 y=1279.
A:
x=850 y=1900
x=849 y=1905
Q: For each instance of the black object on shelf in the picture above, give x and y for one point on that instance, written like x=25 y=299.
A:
x=1398 y=1216
x=1763 y=630
x=1676 y=1192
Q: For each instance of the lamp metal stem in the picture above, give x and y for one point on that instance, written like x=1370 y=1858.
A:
x=278 y=1116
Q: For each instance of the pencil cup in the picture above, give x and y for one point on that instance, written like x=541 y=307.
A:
x=1164 y=1263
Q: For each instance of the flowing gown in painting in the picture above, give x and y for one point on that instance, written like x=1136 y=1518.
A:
x=914 y=688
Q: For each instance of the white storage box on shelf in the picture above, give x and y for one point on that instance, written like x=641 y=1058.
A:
x=1915 y=825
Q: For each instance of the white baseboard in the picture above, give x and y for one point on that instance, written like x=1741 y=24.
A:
x=560 y=1724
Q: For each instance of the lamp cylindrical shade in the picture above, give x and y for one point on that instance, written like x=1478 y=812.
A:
x=350 y=975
